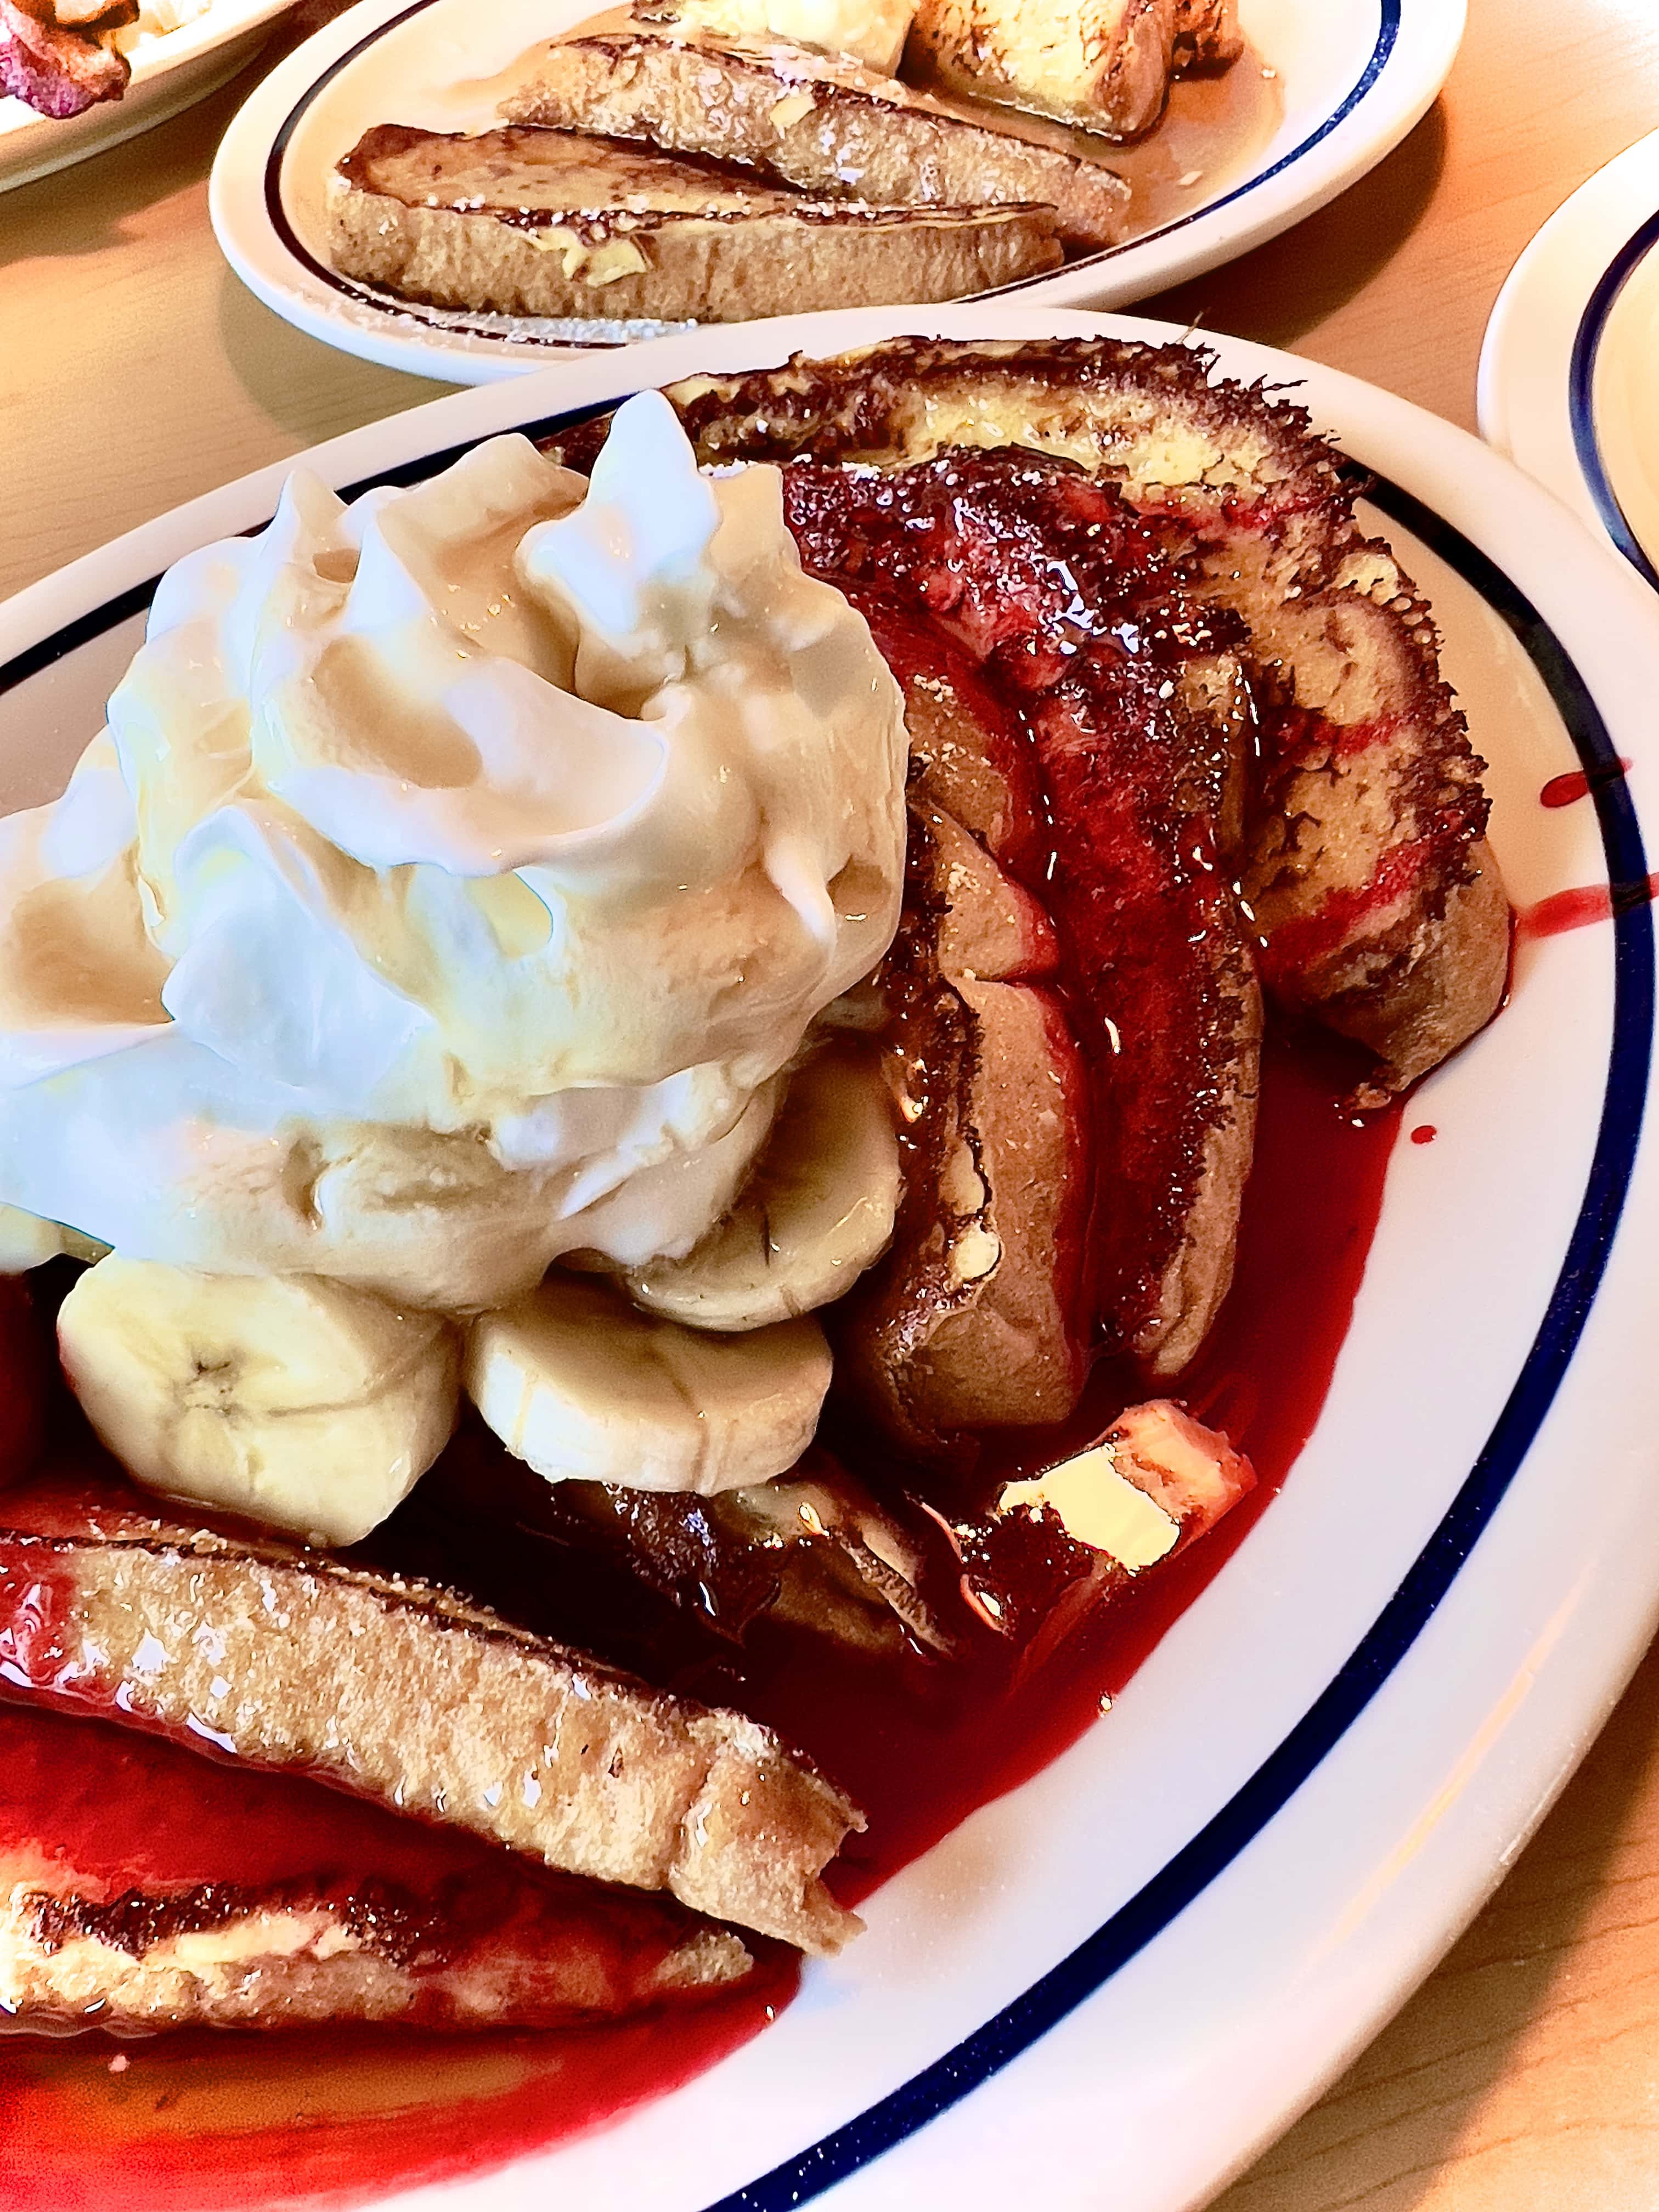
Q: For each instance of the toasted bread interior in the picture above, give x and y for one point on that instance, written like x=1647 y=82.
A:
x=538 y=221
x=142 y=1888
x=461 y=1718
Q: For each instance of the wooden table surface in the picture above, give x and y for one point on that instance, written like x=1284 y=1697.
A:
x=134 y=372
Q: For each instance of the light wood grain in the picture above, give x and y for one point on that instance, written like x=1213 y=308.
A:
x=1395 y=280
x=134 y=372
x=1524 y=2075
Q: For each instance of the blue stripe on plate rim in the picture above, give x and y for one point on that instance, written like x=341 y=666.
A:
x=1432 y=1574
x=1387 y=33
x=1581 y=393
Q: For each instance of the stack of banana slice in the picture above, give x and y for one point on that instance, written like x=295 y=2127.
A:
x=316 y=1408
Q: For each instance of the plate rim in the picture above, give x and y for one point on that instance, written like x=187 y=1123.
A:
x=1557 y=441
x=1415 y=45
x=25 y=140
x=473 y=414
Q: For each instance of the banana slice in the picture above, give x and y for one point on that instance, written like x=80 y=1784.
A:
x=295 y=1402
x=26 y=1241
x=816 y=1211
x=576 y=1382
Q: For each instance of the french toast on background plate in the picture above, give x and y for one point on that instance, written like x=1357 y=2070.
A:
x=524 y=222
x=1181 y=766
x=1103 y=65
x=817 y=121
x=913 y=197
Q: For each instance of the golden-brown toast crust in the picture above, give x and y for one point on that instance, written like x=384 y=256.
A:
x=402 y=1692
x=669 y=248
x=1102 y=66
x=826 y=125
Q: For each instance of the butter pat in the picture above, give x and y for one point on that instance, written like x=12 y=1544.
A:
x=613 y=258
x=1099 y=1507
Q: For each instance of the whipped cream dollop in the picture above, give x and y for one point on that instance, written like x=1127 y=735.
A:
x=456 y=880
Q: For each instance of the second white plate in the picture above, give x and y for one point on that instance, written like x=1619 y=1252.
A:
x=1569 y=386
x=169 y=72
x=1353 y=79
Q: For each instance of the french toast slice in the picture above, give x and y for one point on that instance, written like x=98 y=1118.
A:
x=144 y=1887
x=628 y=1572
x=1036 y=576
x=1376 y=903
x=530 y=221
x=870 y=1570
x=1101 y=65
x=975 y=1318
x=1025 y=1561
x=403 y=1692
x=824 y=125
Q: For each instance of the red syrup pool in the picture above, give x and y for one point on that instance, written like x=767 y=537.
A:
x=205 y=2124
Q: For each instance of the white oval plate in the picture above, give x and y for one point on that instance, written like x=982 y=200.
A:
x=1355 y=75
x=1114 y=1984
x=168 y=73
x=1568 y=383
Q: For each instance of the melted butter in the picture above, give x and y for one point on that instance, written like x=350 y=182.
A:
x=1099 y=1507
x=594 y=264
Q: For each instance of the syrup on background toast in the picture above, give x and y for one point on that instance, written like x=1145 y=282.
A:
x=1211 y=136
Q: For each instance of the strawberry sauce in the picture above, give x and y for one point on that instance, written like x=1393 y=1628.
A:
x=1576 y=783
x=204 y=2123
x=1582 y=906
